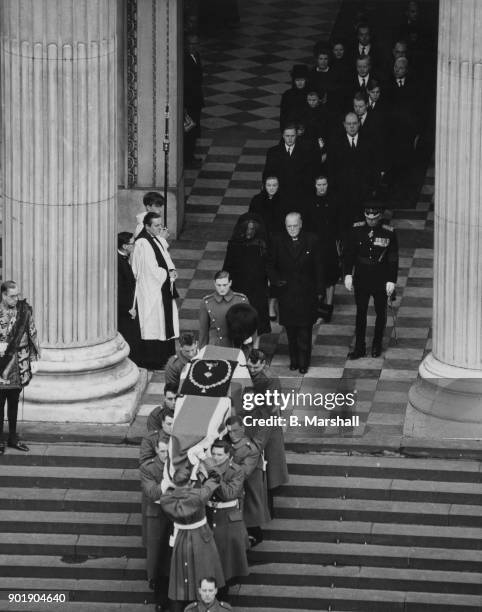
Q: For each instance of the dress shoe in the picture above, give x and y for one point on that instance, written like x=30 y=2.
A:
x=273 y=317
x=303 y=370
x=376 y=350
x=357 y=354
x=294 y=366
x=18 y=445
x=2 y=448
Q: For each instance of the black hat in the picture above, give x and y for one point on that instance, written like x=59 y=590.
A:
x=373 y=205
x=300 y=71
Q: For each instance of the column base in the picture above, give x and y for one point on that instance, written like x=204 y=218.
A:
x=445 y=402
x=93 y=384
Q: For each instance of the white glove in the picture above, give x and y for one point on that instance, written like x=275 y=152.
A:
x=390 y=287
x=349 y=282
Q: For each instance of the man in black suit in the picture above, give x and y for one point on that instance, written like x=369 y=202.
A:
x=364 y=44
x=294 y=267
x=371 y=127
x=352 y=165
x=193 y=97
x=127 y=319
x=405 y=117
x=293 y=164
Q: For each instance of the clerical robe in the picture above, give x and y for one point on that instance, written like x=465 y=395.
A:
x=158 y=314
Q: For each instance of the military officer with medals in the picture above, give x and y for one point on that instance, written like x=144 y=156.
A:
x=225 y=516
x=371 y=267
x=213 y=308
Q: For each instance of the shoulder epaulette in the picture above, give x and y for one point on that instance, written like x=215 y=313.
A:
x=206 y=297
x=223 y=604
x=359 y=224
x=191 y=606
x=390 y=228
x=240 y=294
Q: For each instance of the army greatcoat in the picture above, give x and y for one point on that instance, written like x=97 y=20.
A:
x=227 y=522
x=255 y=508
x=158 y=526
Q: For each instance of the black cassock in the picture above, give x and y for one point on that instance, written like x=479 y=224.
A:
x=127 y=326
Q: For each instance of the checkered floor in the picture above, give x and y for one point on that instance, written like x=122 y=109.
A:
x=233 y=155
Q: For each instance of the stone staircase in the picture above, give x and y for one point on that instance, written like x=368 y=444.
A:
x=360 y=532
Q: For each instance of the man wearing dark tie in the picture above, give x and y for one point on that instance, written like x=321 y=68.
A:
x=294 y=164
x=352 y=165
x=294 y=267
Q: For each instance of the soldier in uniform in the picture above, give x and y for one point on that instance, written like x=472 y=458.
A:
x=247 y=455
x=149 y=442
x=194 y=552
x=268 y=438
x=157 y=416
x=224 y=514
x=207 y=598
x=186 y=353
x=371 y=266
x=213 y=309
x=157 y=526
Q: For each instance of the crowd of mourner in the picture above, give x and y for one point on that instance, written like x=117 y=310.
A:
x=350 y=125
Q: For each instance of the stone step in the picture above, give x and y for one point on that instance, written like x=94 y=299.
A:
x=384 y=467
x=126 y=458
x=316 y=598
x=129 y=524
x=384 y=489
x=376 y=511
x=327 y=553
x=121 y=568
x=374 y=533
x=324 y=553
x=71 y=477
x=469 y=583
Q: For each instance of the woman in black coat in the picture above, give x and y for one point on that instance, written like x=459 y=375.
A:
x=245 y=261
x=294 y=99
x=267 y=205
x=323 y=219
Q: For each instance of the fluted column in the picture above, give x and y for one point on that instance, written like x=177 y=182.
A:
x=154 y=66
x=59 y=171
x=446 y=399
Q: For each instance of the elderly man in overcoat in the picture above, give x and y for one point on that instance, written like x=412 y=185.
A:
x=294 y=267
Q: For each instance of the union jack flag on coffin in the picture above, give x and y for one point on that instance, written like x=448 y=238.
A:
x=211 y=390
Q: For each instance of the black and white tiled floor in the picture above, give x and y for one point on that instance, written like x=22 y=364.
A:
x=245 y=77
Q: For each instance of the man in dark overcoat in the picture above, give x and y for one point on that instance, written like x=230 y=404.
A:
x=294 y=164
x=294 y=267
x=352 y=165
x=193 y=96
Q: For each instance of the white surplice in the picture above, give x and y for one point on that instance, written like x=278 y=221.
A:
x=149 y=281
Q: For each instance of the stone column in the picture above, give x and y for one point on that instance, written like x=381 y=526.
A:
x=446 y=399
x=154 y=65
x=59 y=174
